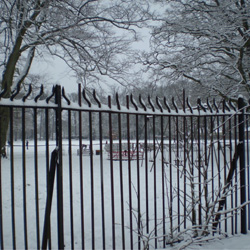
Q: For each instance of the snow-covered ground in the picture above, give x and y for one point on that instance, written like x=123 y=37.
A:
x=236 y=242
x=94 y=180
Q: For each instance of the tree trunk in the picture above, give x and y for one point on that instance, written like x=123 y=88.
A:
x=4 y=124
x=6 y=84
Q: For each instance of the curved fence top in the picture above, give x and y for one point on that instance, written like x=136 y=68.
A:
x=88 y=101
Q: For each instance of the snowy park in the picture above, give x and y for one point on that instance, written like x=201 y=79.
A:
x=124 y=124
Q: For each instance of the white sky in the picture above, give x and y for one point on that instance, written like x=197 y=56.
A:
x=57 y=71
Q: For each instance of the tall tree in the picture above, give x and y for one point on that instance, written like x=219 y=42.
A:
x=81 y=32
x=203 y=41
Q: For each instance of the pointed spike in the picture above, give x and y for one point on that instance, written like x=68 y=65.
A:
x=86 y=98
x=96 y=99
x=201 y=105
x=183 y=100
x=64 y=96
x=16 y=92
x=40 y=94
x=127 y=101
x=117 y=101
x=109 y=101
x=189 y=106
x=224 y=105
x=79 y=94
x=209 y=106
x=227 y=107
x=151 y=103
x=175 y=106
x=166 y=104
x=142 y=103
x=28 y=94
x=159 y=104
x=232 y=105
x=133 y=102
x=53 y=93
x=215 y=105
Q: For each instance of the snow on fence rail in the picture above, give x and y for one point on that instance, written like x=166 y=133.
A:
x=186 y=172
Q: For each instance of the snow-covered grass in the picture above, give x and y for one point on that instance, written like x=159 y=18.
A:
x=236 y=242
x=121 y=184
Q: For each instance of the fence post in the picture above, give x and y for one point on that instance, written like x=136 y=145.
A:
x=241 y=151
x=52 y=170
x=59 y=167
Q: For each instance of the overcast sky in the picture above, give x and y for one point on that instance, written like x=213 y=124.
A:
x=57 y=71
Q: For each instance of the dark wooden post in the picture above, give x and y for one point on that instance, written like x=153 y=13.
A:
x=241 y=151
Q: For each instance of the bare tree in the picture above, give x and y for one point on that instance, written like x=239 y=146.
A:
x=205 y=42
x=82 y=33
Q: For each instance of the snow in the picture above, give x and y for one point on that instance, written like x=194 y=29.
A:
x=90 y=196
x=233 y=242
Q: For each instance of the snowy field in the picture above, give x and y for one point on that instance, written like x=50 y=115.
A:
x=94 y=180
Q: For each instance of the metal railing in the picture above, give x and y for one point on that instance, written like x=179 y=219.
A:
x=138 y=175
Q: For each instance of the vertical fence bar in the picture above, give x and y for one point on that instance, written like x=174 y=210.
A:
x=12 y=181
x=155 y=182
x=205 y=167
x=81 y=167
x=53 y=165
x=36 y=179
x=146 y=170
x=178 y=172
x=192 y=173
x=121 y=180
x=184 y=159
x=224 y=161
x=183 y=172
x=129 y=179
x=138 y=183
x=24 y=181
x=170 y=178
x=236 y=174
x=1 y=197
x=231 y=158
x=92 y=182
x=218 y=159
x=59 y=168
x=47 y=165
x=102 y=182
x=212 y=154
x=241 y=107
x=199 y=170
x=248 y=166
x=1 y=211
x=163 y=182
x=184 y=169
x=112 y=175
x=70 y=181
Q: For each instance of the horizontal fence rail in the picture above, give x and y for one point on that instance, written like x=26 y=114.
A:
x=131 y=173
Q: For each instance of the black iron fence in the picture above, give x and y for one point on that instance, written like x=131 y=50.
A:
x=138 y=175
